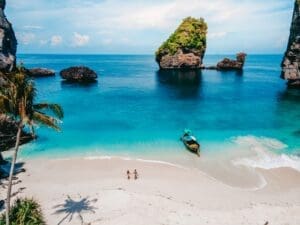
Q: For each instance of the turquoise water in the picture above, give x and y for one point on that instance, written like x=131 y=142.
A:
x=135 y=110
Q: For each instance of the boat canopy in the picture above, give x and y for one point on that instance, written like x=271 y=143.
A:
x=190 y=138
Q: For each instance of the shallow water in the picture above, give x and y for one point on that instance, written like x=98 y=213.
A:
x=135 y=110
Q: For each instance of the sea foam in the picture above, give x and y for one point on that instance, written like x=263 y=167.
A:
x=264 y=153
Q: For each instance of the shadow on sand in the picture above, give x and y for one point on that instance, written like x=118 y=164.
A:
x=4 y=174
x=72 y=207
x=5 y=169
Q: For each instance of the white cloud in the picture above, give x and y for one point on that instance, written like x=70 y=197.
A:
x=43 y=42
x=248 y=24
x=165 y=14
x=32 y=27
x=56 y=40
x=107 y=41
x=217 y=35
x=80 y=39
x=25 y=38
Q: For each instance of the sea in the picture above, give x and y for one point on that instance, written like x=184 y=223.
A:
x=134 y=110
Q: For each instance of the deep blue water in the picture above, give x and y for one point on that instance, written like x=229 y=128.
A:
x=134 y=109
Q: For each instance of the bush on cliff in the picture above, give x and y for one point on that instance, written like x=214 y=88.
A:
x=190 y=35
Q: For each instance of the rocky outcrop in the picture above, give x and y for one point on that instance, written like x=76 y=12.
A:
x=78 y=74
x=8 y=42
x=180 y=60
x=40 y=72
x=8 y=131
x=186 y=47
x=291 y=61
x=229 y=64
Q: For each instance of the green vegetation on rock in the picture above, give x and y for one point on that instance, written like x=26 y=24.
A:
x=190 y=35
x=25 y=211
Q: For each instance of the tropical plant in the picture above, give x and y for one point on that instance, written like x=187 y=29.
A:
x=25 y=212
x=17 y=96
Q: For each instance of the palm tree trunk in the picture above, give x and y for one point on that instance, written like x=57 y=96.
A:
x=12 y=168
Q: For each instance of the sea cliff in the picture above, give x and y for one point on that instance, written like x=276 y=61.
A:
x=8 y=42
x=291 y=61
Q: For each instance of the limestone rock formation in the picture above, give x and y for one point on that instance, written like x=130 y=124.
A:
x=229 y=64
x=180 y=60
x=40 y=72
x=186 y=47
x=8 y=42
x=79 y=74
x=291 y=61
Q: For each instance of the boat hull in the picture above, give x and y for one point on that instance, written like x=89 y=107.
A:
x=192 y=146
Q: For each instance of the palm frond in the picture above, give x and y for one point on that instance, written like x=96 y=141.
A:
x=6 y=105
x=55 y=108
x=46 y=120
x=17 y=97
x=4 y=97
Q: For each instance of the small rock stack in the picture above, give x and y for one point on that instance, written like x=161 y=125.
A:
x=79 y=74
x=291 y=61
x=185 y=48
x=229 y=64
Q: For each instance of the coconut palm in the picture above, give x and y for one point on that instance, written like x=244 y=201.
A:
x=17 y=97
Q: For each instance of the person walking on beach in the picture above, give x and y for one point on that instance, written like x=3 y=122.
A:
x=136 y=175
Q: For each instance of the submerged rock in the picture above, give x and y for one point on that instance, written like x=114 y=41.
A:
x=229 y=64
x=8 y=42
x=79 y=74
x=291 y=61
x=185 y=48
x=40 y=72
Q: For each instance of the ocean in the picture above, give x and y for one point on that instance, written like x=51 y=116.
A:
x=136 y=111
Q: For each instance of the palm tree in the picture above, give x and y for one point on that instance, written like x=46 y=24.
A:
x=17 y=101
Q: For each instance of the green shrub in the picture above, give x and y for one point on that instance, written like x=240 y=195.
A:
x=25 y=212
x=191 y=34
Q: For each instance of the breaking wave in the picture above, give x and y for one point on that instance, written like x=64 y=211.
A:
x=263 y=153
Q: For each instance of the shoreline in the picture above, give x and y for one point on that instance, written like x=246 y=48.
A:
x=163 y=194
x=238 y=164
x=152 y=162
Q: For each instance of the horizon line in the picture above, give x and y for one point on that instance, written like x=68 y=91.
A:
x=142 y=54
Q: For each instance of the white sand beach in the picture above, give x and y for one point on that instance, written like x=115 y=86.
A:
x=97 y=191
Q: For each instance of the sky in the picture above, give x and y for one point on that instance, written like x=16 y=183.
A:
x=140 y=26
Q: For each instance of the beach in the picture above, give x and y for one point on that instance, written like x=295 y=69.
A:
x=97 y=191
x=150 y=113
